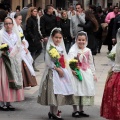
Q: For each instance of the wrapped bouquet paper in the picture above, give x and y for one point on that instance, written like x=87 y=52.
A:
x=73 y=63
x=54 y=54
x=112 y=54
x=21 y=36
x=4 y=47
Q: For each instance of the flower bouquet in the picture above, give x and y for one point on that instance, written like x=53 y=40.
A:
x=4 y=47
x=54 y=54
x=73 y=65
x=111 y=56
x=21 y=36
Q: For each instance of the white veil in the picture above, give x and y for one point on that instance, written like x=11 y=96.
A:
x=75 y=48
x=117 y=57
x=50 y=42
x=47 y=61
x=15 y=55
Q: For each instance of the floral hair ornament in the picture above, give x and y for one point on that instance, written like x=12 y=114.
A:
x=55 y=29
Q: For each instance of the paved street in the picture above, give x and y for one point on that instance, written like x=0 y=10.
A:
x=30 y=110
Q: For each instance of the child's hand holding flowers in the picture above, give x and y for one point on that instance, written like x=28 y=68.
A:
x=54 y=54
x=60 y=72
x=75 y=68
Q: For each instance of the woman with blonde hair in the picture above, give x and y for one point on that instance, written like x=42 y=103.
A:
x=33 y=36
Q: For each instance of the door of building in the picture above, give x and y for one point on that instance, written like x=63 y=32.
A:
x=60 y=3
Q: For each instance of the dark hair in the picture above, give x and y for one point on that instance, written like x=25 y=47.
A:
x=18 y=8
x=39 y=9
x=2 y=6
x=59 y=8
x=3 y=15
x=91 y=17
x=93 y=7
x=29 y=5
x=8 y=18
x=55 y=32
x=47 y=7
x=16 y=15
x=115 y=6
x=99 y=10
x=80 y=5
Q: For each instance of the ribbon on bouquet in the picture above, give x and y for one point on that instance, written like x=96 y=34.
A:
x=78 y=74
x=57 y=63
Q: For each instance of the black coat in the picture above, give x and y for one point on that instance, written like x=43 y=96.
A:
x=92 y=43
x=116 y=26
x=32 y=34
x=47 y=23
x=108 y=40
x=100 y=20
x=65 y=26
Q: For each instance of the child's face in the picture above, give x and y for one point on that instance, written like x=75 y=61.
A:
x=81 y=41
x=18 y=20
x=57 y=38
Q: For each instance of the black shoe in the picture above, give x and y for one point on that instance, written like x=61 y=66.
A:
x=0 y=108
x=11 y=108
x=76 y=114
x=4 y=108
x=82 y=114
x=51 y=115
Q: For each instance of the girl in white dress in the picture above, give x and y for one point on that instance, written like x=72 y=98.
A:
x=85 y=88
x=28 y=72
x=56 y=87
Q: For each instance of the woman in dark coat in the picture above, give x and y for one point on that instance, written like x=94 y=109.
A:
x=90 y=27
x=32 y=34
x=65 y=26
x=108 y=40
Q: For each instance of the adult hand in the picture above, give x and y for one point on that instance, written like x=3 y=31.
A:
x=72 y=37
x=74 y=73
x=45 y=39
x=114 y=40
x=42 y=40
x=77 y=13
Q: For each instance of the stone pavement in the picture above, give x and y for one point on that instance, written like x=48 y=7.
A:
x=30 y=110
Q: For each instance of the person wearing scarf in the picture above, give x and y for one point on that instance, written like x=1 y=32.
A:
x=85 y=88
x=11 y=83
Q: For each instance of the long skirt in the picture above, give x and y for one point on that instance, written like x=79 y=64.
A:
x=84 y=100
x=7 y=94
x=49 y=98
x=28 y=79
x=110 y=107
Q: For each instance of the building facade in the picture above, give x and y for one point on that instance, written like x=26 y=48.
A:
x=60 y=3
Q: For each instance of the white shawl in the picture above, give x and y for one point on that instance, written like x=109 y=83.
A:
x=49 y=63
x=27 y=58
x=14 y=43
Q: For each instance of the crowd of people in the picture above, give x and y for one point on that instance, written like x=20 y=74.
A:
x=74 y=35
